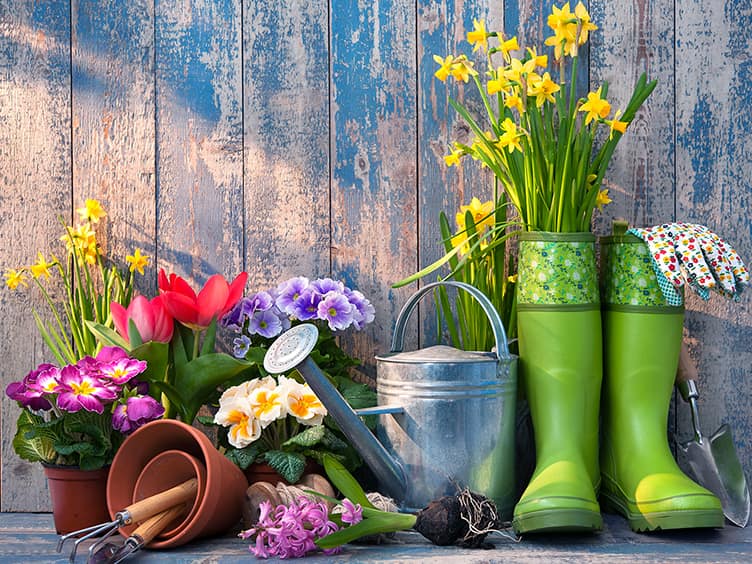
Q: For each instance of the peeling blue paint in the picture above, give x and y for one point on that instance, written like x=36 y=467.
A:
x=695 y=141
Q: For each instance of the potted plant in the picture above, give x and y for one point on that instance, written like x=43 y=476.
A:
x=74 y=415
x=277 y=424
x=549 y=150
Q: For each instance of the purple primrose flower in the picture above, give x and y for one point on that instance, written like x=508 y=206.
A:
x=325 y=285
x=289 y=291
x=364 y=311
x=307 y=305
x=241 y=345
x=336 y=310
x=136 y=412
x=265 y=323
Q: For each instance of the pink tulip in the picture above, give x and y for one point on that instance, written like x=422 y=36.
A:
x=153 y=321
x=215 y=299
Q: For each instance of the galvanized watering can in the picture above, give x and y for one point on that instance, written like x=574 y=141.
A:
x=446 y=416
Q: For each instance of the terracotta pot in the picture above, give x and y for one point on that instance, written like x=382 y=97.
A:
x=166 y=470
x=220 y=505
x=78 y=497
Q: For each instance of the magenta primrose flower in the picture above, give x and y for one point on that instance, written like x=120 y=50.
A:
x=82 y=390
x=31 y=391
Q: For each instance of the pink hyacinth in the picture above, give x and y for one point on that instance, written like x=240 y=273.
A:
x=290 y=531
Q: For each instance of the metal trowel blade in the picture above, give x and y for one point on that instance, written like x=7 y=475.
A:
x=715 y=465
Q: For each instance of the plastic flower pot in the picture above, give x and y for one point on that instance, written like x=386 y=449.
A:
x=168 y=469
x=220 y=505
x=68 y=486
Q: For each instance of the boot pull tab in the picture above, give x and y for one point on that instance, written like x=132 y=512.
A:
x=619 y=226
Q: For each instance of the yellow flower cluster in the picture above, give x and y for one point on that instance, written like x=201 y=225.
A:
x=81 y=242
x=483 y=219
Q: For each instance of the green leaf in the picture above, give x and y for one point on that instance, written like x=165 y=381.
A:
x=107 y=336
x=384 y=522
x=290 y=465
x=345 y=482
x=210 y=337
x=244 y=457
x=207 y=420
x=30 y=444
x=308 y=438
x=134 y=336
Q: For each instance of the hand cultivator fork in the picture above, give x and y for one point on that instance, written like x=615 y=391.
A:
x=135 y=513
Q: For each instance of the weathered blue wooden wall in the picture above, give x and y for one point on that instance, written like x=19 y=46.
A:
x=306 y=137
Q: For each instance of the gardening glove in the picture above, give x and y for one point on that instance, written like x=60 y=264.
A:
x=693 y=254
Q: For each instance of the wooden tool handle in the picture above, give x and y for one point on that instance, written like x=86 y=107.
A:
x=687 y=367
x=147 y=507
x=156 y=524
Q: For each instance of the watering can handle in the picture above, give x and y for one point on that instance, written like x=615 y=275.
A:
x=500 y=336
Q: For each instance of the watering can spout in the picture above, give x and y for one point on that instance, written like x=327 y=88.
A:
x=291 y=350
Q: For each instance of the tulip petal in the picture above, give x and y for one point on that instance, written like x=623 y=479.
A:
x=120 y=318
x=180 y=307
x=163 y=324
x=141 y=313
x=236 y=292
x=212 y=299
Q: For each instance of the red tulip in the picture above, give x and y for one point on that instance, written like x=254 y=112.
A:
x=215 y=299
x=153 y=321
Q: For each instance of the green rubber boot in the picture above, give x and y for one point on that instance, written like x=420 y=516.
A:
x=559 y=328
x=642 y=338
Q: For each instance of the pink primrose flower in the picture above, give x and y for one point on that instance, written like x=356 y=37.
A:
x=80 y=390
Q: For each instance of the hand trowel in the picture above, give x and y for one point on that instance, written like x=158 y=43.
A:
x=712 y=461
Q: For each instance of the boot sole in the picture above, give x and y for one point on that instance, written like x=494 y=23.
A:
x=665 y=520
x=558 y=520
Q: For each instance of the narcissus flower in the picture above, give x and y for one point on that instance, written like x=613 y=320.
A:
x=42 y=267
x=514 y=102
x=602 y=199
x=596 y=107
x=137 y=261
x=462 y=69
x=91 y=212
x=15 y=278
x=543 y=89
x=508 y=46
x=453 y=158
x=478 y=37
x=445 y=67
x=616 y=125
x=510 y=139
x=215 y=299
x=482 y=214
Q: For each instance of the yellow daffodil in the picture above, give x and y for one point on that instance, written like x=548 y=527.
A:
x=538 y=60
x=445 y=67
x=596 y=107
x=479 y=148
x=602 y=199
x=584 y=18
x=83 y=241
x=514 y=102
x=564 y=25
x=92 y=211
x=482 y=215
x=453 y=158
x=496 y=83
x=510 y=139
x=15 y=278
x=616 y=125
x=42 y=267
x=137 y=261
x=462 y=69
x=478 y=37
x=508 y=46
x=512 y=279
x=543 y=89
x=517 y=70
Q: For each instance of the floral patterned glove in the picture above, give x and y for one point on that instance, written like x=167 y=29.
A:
x=692 y=253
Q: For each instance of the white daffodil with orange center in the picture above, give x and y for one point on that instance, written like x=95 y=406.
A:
x=238 y=415
x=303 y=404
x=267 y=405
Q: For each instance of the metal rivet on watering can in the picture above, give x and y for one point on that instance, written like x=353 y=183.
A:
x=290 y=351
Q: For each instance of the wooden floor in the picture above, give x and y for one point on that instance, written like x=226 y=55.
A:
x=26 y=537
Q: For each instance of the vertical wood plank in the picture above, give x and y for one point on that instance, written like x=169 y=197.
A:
x=373 y=140
x=113 y=124
x=442 y=30
x=636 y=37
x=199 y=137
x=714 y=187
x=35 y=173
x=286 y=133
